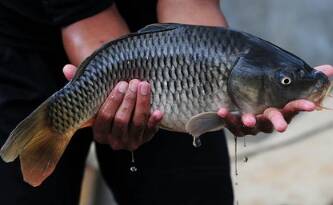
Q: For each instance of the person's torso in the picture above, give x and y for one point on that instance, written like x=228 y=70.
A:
x=25 y=24
x=32 y=24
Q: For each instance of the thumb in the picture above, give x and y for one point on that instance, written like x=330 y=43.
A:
x=69 y=71
x=326 y=69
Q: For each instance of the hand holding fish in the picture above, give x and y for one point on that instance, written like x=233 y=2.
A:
x=272 y=118
x=114 y=123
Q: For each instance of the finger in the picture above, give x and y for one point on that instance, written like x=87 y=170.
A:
x=276 y=118
x=119 y=133
x=233 y=122
x=299 y=105
x=228 y=117
x=69 y=71
x=106 y=113
x=249 y=120
x=141 y=114
x=326 y=69
x=294 y=107
x=152 y=125
x=155 y=118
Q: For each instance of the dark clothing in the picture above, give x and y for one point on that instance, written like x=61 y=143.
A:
x=36 y=24
x=27 y=78
x=170 y=169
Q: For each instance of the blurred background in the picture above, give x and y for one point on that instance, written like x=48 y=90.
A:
x=292 y=168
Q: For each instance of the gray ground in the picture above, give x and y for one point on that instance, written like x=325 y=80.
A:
x=295 y=167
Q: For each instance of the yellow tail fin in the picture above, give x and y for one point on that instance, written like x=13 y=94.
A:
x=38 y=145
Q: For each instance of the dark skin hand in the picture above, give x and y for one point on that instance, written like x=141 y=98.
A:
x=115 y=119
x=124 y=121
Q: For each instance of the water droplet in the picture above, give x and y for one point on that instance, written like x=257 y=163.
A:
x=196 y=142
x=245 y=159
x=236 y=157
x=132 y=157
x=133 y=169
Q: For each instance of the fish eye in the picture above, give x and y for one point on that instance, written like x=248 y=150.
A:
x=286 y=80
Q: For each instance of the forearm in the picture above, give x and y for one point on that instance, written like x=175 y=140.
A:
x=202 y=12
x=82 y=38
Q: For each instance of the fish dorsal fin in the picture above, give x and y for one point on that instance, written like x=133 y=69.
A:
x=158 y=27
x=204 y=122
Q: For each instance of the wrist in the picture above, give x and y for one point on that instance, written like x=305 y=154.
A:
x=201 y=12
x=83 y=37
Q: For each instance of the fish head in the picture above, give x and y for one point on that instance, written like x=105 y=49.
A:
x=268 y=76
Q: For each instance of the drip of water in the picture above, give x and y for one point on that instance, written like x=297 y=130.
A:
x=236 y=165
x=236 y=157
x=196 y=142
x=245 y=159
x=133 y=167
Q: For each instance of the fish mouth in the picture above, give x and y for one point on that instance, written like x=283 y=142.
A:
x=323 y=98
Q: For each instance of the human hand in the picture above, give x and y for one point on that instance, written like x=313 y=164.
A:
x=124 y=120
x=272 y=118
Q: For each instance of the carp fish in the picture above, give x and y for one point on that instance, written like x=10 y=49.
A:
x=193 y=71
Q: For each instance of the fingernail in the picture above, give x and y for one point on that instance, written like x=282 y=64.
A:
x=222 y=112
x=158 y=115
x=145 y=88
x=281 y=127
x=250 y=122
x=66 y=68
x=309 y=105
x=122 y=87
x=133 y=85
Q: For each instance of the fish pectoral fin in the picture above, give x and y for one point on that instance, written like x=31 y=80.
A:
x=204 y=122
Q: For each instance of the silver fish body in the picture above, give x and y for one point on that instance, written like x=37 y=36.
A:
x=193 y=71
x=187 y=67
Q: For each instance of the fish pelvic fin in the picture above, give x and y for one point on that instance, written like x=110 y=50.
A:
x=203 y=123
x=37 y=144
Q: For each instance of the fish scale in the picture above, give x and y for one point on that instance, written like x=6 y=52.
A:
x=182 y=65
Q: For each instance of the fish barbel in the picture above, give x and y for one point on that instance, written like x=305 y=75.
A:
x=193 y=71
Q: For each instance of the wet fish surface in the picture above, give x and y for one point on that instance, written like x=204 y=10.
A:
x=193 y=71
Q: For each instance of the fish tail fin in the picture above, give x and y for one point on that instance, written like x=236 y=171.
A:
x=38 y=145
